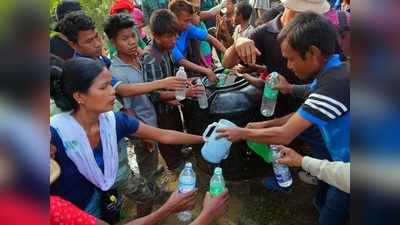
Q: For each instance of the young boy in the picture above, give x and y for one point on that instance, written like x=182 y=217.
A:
x=127 y=68
x=158 y=64
x=184 y=11
x=83 y=38
x=241 y=19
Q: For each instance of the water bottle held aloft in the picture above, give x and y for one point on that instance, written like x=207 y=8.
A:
x=269 y=95
x=181 y=94
x=217 y=183
x=187 y=183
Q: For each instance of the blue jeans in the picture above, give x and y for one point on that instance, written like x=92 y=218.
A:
x=333 y=205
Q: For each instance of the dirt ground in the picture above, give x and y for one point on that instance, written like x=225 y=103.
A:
x=251 y=204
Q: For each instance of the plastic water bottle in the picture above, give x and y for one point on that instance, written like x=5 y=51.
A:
x=217 y=183
x=202 y=100
x=221 y=79
x=269 y=95
x=230 y=79
x=187 y=183
x=181 y=94
x=282 y=172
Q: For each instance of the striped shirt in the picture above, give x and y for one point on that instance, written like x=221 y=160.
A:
x=328 y=107
x=157 y=65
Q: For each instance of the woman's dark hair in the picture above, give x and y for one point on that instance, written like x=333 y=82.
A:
x=310 y=29
x=244 y=9
x=116 y=23
x=73 y=23
x=163 y=21
x=177 y=6
x=76 y=75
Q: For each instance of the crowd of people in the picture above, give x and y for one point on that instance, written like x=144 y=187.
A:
x=106 y=95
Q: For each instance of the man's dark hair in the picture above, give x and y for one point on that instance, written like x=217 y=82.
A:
x=163 y=21
x=116 y=23
x=308 y=29
x=65 y=7
x=73 y=23
x=178 y=6
x=244 y=9
x=270 y=14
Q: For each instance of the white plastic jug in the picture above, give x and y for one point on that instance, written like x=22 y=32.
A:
x=214 y=150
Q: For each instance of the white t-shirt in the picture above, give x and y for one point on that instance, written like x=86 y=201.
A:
x=242 y=33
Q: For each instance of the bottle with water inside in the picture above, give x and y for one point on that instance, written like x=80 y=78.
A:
x=217 y=183
x=202 y=100
x=282 y=172
x=269 y=95
x=187 y=182
x=181 y=94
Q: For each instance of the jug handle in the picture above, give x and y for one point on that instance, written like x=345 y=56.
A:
x=208 y=129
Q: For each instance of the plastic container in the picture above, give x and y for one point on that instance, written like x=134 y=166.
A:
x=262 y=150
x=181 y=94
x=187 y=183
x=269 y=95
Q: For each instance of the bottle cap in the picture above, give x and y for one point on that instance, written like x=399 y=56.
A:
x=273 y=75
x=274 y=147
x=188 y=164
x=218 y=170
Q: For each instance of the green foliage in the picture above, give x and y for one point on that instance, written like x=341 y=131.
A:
x=98 y=10
x=53 y=5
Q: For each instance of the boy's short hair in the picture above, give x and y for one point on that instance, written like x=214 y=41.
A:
x=308 y=29
x=177 y=6
x=163 y=21
x=73 y=23
x=244 y=9
x=116 y=23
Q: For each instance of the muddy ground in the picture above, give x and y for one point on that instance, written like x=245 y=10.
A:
x=251 y=204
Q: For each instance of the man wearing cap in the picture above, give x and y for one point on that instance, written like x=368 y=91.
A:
x=262 y=48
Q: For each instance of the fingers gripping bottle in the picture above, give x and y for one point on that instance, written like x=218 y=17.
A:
x=269 y=95
x=181 y=94
x=187 y=183
x=282 y=172
x=217 y=183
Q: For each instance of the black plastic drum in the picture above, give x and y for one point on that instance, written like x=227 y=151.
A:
x=239 y=103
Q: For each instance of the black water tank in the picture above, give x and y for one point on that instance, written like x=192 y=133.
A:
x=239 y=103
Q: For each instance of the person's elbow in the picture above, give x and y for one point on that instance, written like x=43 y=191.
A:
x=123 y=90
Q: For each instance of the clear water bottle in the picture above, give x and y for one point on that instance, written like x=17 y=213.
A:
x=181 y=94
x=230 y=79
x=282 y=172
x=269 y=95
x=202 y=100
x=221 y=79
x=217 y=183
x=187 y=183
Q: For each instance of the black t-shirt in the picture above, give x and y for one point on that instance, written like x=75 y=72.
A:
x=61 y=48
x=265 y=39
